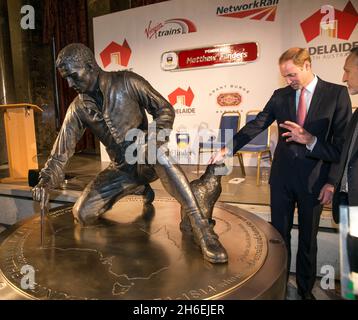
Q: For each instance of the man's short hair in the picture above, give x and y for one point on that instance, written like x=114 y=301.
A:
x=297 y=55
x=76 y=53
x=354 y=53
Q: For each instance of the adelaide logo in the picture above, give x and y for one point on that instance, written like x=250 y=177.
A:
x=116 y=54
x=182 y=100
x=331 y=22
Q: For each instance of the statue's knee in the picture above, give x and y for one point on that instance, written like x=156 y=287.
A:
x=163 y=159
x=83 y=216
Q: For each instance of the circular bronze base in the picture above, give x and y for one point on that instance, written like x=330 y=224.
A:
x=138 y=252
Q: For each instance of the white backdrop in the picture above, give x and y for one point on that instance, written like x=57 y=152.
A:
x=175 y=25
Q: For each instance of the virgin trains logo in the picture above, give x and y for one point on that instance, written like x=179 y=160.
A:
x=331 y=22
x=169 y=27
x=256 y=10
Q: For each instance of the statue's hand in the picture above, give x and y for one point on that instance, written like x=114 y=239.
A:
x=41 y=192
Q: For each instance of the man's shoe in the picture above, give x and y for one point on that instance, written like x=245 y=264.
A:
x=147 y=192
x=307 y=296
x=212 y=249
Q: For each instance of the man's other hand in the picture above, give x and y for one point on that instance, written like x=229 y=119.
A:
x=219 y=156
x=326 y=194
x=296 y=133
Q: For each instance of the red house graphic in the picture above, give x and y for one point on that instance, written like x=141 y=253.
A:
x=118 y=54
x=343 y=23
x=181 y=97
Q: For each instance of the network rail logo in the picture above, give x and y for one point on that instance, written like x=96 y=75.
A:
x=256 y=10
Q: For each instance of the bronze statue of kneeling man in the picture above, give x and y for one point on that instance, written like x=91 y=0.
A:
x=111 y=104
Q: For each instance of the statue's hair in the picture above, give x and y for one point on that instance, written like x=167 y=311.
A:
x=76 y=53
x=297 y=55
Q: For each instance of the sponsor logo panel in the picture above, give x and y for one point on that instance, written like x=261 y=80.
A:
x=329 y=23
x=182 y=101
x=255 y=10
x=170 y=27
x=229 y=97
x=217 y=55
x=116 y=54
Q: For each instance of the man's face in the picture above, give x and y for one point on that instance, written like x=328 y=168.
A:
x=350 y=75
x=83 y=79
x=295 y=76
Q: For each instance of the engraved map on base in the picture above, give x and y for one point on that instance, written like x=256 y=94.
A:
x=136 y=252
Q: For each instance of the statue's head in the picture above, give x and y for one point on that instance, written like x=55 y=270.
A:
x=77 y=64
x=215 y=171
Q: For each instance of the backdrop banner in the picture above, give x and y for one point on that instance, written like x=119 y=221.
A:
x=208 y=57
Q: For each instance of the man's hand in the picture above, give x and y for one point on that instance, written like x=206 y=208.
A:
x=40 y=193
x=326 y=194
x=296 y=133
x=219 y=156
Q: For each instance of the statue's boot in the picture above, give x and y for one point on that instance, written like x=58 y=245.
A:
x=207 y=239
x=185 y=225
x=206 y=190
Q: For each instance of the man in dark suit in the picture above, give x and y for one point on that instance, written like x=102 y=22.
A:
x=343 y=176
x=312 y=115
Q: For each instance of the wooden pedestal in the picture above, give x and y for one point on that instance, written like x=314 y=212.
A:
x=20 y=140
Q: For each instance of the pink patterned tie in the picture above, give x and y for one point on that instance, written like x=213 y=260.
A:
x=302 y=108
